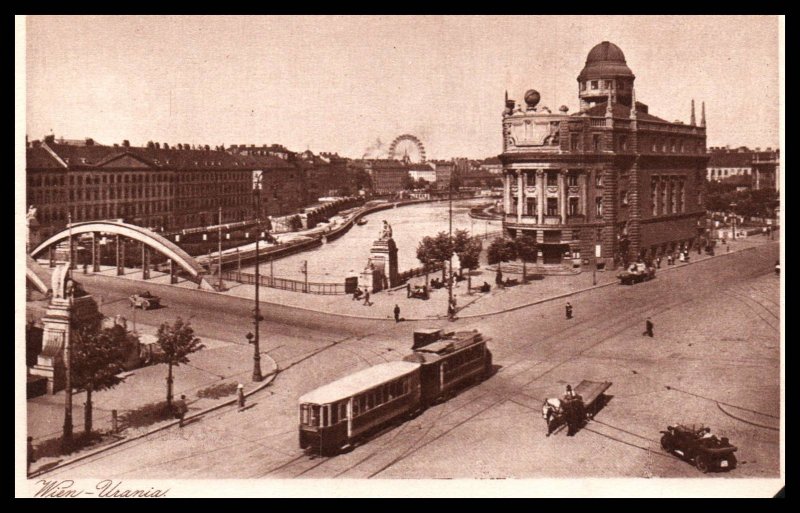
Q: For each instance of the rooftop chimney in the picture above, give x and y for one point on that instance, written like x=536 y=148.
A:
x=126 y=143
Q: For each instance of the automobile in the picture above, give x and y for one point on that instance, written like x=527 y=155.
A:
x=699 y=446
x=144 y=300
x=636 y=273
x=420 y=292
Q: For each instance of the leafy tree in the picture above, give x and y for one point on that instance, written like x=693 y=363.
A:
x=408 y=183
x=96 y=360
x=177 y=342
x=501 y=250
x=469 y=255
x=526 y=250
x=436 y=249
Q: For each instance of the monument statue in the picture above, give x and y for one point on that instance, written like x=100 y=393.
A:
x=386 y=233
x=30 y=218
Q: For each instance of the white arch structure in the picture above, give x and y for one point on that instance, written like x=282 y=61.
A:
x=137 y=233
x=36 y=275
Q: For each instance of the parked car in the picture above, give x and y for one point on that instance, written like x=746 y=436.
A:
x=700 y=447
x=144 y=300
x=636 y=273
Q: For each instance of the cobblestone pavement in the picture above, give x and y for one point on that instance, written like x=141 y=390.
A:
x=716 y=347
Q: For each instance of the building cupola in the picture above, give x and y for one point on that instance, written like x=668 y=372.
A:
x=606 y=74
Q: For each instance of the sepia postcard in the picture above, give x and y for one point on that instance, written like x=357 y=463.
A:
x=399 y=256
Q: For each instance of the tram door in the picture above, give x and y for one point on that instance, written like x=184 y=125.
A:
x=350 y=417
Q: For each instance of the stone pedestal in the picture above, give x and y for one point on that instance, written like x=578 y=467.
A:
x=383 y=257
x=50 y=362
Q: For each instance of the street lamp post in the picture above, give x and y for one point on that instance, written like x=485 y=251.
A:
x=66 y=439
x=733 y=210
x=450 y=307
x=257 y=376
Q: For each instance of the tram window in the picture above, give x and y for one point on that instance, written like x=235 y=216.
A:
x=356 y=407
x=343 y=410
x=325 y=410
x=314 y=416
x=304 y=414
x=362 y=403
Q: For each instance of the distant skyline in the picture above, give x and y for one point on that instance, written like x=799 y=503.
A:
x=338 y=83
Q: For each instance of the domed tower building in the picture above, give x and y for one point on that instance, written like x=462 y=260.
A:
x=609 y=184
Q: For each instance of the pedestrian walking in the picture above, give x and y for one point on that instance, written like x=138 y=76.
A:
x=777 y=267
x=180 y=409
x=31 y=453
x=648 y=328
x=498 y=279
x=568 y=309
x=366 y=298
x=408 y=289
x=240 y=396
x=396 y=313
x=658 y=262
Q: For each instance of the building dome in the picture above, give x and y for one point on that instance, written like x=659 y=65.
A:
x=605 y=60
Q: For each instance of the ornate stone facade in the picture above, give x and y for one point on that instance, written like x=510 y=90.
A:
x=591 y=183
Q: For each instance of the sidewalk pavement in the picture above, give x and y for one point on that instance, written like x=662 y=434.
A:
x=476 y=304
x=220 y=363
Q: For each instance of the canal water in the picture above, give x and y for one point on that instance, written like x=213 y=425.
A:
x=348 y=255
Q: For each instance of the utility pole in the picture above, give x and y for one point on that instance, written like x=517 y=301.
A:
x=305 y=274
x=450 y=277
x=66 y=440
x=257 y=376
x=219 y=248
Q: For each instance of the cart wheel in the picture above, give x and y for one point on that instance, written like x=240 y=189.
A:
x=732 y=462
x=666 y=443
x=701 y=463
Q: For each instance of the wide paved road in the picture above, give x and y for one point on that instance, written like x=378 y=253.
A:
x=715 y=359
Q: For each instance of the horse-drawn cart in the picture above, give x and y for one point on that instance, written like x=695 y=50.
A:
x=582 y=404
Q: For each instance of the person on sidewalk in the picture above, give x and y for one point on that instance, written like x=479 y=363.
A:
x=648 y=328
x=396 y=313
x=31 y=453
x=658 y=262
x=408 y=289
x=180 y=409
x=240 y=396
x=366 y=298
x=568 y=309
x=498 y=279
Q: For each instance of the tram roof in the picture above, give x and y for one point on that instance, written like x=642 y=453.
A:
x=358 y=382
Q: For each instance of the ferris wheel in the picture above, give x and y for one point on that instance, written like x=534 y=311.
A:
x=407 y=147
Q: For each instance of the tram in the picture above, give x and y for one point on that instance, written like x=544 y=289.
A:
x=335 y=416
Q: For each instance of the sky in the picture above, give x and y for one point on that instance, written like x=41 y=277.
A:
x=338 y=84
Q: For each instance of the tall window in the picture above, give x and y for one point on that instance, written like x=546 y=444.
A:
x=594 y=84
x=531 y=205
x=552 y=206
x=609 y=84
x=572 y=179
x=623 y=198
x=681 y=197
x=573 y=142
x=596 y=142
x=598 y=207
x=552 y=178
x=654 y=195
x=623 y=143
x=574 y=208
x=669 y=208
x=664 y=204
